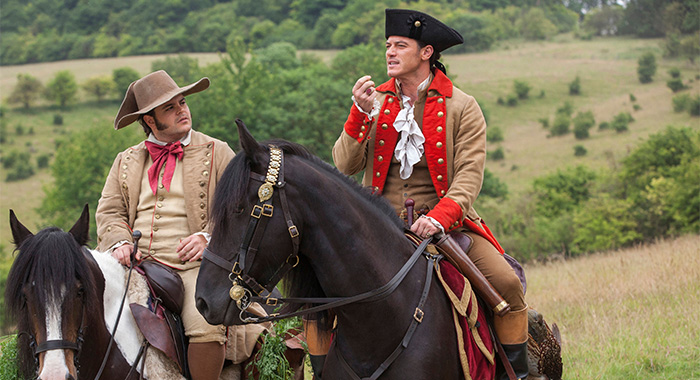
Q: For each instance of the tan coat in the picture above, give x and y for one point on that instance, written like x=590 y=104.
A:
x=455 y=148
x=204 y=161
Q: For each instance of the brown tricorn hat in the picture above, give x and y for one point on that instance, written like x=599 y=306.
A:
x=422 y=27
x=150 y=92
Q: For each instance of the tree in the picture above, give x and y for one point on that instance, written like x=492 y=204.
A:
x=79 y=171
x=99 y=86
x=122 y=78
x=646 y=67
x=62 y=89
x=604 y=21
x=690 y=47
x=26 y=91
x=583 y=122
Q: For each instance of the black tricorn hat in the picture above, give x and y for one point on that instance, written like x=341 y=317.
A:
x=422 y=27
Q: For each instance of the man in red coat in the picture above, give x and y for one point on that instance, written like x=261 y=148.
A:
x=418 y=136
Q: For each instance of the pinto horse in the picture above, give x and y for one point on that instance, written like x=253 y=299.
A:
x=342 y=242
x=65 y=309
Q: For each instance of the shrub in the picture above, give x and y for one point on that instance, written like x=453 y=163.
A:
x=621 y=121
x=542 y=94
x=637 y=107
x=494 y=134
x=496 y=154
x=8 y=365
x=545 y=122
x=633 y=98
x=512 y=100
x=19 y=129
x=674 y=72
x=57 y=119
x=604 y=223
x=583 y=122
x=500 y=101
x=567 y=109
x=521 y=88
x=575 y=86
x=675 y=84
x=21 y=170
x=42 y=161
x=122 y=78
x=690 y=46
x=579 y=150
x=646 y=67
x=561 y=124
x=681 y=102
x=13 y=158
x=694 y=106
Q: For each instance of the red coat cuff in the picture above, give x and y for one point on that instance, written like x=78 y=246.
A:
x=448 y=213
x=357 y=124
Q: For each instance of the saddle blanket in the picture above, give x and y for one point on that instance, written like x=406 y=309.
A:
x=476 y=347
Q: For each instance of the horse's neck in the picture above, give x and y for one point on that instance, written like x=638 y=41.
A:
x=128 y=338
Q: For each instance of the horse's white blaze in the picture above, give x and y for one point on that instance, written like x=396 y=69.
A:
x=54 y=360
x=128 y=338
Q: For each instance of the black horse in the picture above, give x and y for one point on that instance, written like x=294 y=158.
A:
x=342 y=241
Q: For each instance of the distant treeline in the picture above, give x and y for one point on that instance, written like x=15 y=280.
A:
x=53 y=30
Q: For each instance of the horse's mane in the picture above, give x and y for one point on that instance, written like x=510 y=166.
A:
x=231 y=194
x=50 y=261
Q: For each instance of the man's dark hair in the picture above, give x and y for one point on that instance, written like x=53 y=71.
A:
x=145 y=126
x=433 y=58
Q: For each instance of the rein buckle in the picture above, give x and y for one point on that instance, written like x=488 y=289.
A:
x=293 y=231
x=271 y=301
x=418 y=315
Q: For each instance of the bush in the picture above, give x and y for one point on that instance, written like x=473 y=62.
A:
x=57 y=119
x=583 y=122
x=21 y=170
x=575 y=86
x=681 y=102
x=545 y=122
x=674 y=72
x=621 y=122
x=694 y=106
x=580 y=150
x=567 y=109
x=512 y=100
x=122 y=78
x=542 y=94
x=690 y=46
x=521 y=88
x=604 y=223
x=500 y=101
x=633 y=98
x=8 y=364
x=676 y=84
x=19 y=129
x=646 y=67
x=561 y=124
x=42 y=161
x=494 y=134
x=496 y=154
x=636 y=107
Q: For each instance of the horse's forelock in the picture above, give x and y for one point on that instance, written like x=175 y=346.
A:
x=50 y=262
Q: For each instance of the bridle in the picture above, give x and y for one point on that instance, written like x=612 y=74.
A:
x=59 y=344
x=243 y=285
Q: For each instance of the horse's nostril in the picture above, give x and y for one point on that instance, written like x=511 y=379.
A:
x=201 y=306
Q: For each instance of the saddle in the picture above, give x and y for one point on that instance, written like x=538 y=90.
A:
x=160 y=323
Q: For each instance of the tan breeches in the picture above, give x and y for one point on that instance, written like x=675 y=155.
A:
x=196 y=327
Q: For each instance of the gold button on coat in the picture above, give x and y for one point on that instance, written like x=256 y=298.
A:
x=441 y=161
x=439 y=178
x=442 y=192
x=381 y=142
x=439 y=128
x=391 y=100
x=441 y=100
x=202 y=195
x=379 y=174
x=386 y=112
x=385 y=126
x=203 y=216
x=380 y=158
x=205 y=173
x=439 y=145
x=361 y=135
x=363 y=128
x=441 y=114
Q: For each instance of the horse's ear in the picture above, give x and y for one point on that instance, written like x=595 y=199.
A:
x=556 y=333
x=248 y=143
x=81 y=228
x=20 y=233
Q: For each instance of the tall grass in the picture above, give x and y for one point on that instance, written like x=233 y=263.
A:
x=630 y=314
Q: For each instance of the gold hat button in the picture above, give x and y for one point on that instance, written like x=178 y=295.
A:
x=417 y=24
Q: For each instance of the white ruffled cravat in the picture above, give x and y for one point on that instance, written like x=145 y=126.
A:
x=409 y=149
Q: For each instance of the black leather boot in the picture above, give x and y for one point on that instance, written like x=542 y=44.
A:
x=317 y=362
x=517 y=356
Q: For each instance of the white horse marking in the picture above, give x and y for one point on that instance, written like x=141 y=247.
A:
x=54 y=360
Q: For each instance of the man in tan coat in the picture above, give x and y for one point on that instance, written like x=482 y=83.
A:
x=163 y=187
x=418 y=136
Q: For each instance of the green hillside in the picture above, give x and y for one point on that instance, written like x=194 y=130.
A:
x=606 y=68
